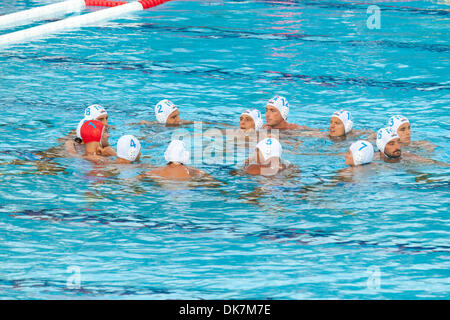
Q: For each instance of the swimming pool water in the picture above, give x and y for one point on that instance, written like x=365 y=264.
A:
x=384 y=235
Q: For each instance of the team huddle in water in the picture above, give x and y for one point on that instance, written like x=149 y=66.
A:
x=92 y=136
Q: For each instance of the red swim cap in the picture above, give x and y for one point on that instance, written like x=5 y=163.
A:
x=91 y=131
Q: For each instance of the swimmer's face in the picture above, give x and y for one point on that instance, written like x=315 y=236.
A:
x=404 y=132
x=173 y=119
x=393 y=148
x=273 y=116
x=349 y=158
x=105 y=137
x=246 y=122
x=337 y=128
x=103 y=119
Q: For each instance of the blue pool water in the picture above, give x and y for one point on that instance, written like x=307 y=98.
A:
x=384 y=235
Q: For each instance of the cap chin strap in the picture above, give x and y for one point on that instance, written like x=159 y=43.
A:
x=393 y=157
x=389 y=157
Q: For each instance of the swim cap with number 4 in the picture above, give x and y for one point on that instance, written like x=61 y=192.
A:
x=128 y=147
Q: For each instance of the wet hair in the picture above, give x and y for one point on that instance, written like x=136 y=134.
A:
x=78 y=140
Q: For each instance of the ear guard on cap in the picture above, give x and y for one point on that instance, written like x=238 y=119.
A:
x=133 y=153
x=348 y=126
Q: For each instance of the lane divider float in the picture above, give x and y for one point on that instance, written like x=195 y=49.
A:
x=117 y=9
x=51 y=11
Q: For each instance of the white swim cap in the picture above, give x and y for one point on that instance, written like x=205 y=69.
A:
x=384 y=135
x=94 y=111
x=128 y=147
x=346 y=118
x=256 y=116
x=270 y=148
x=79 y=127
x=163 y=109
x=176 y=152
x=91 y=113
x=281 y=104
x=362 y=152
x=396 y=121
